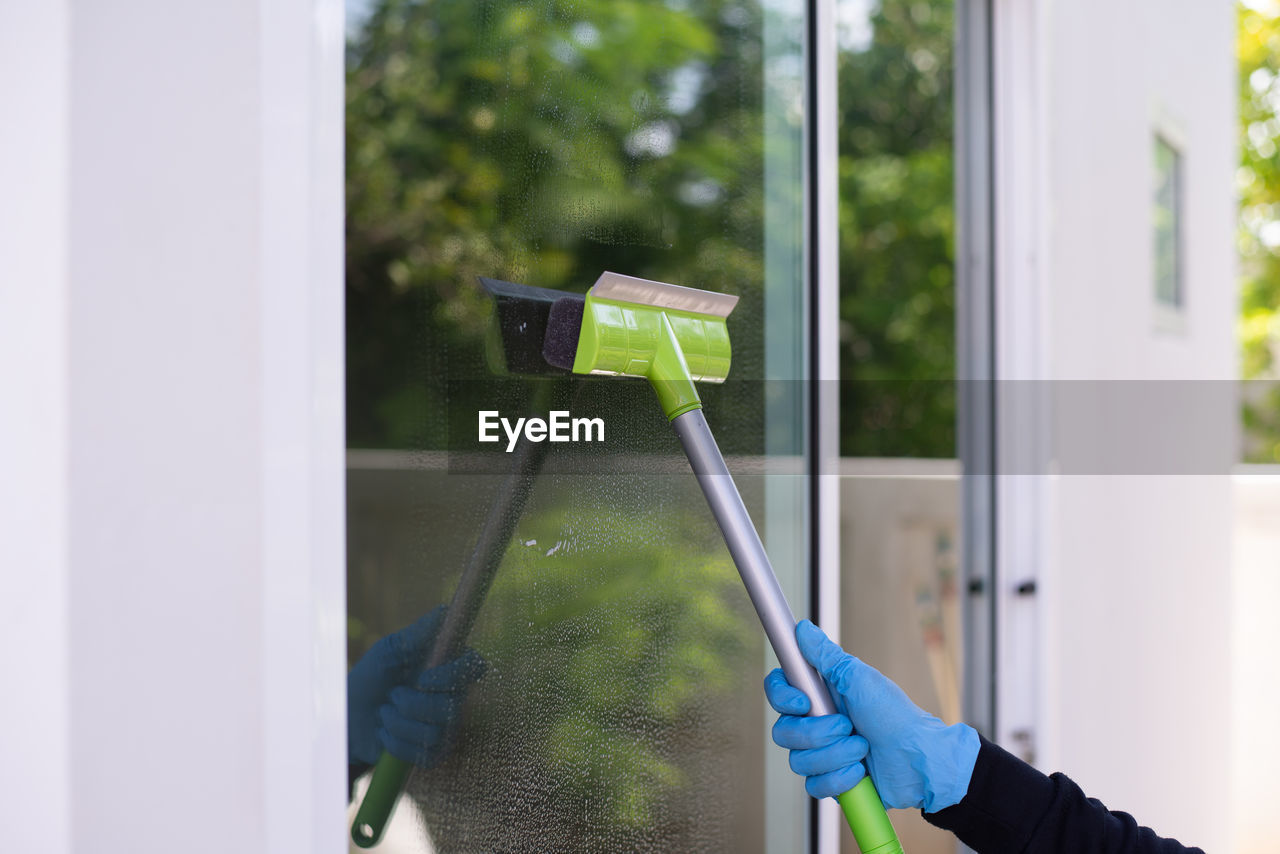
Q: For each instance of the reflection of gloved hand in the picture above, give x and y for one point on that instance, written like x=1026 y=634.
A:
x=393 y=707
x=915 y=759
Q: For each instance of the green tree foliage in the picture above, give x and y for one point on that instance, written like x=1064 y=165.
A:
x=1258 y=182
x=897 y=223
x=546 y=142
x=542 y=143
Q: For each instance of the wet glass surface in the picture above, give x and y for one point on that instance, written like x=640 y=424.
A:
x=542 y=143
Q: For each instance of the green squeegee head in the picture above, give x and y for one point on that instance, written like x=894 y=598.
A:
x=670 y=335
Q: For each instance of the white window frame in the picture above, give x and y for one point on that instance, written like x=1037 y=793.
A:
x=171 y=326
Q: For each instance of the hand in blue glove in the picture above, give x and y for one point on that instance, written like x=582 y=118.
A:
x=915 y=760
x=391 y=706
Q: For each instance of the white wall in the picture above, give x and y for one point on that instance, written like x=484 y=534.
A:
x=1256 y=692
x=1116 y=73
x=1123 y=657
x=175 y=375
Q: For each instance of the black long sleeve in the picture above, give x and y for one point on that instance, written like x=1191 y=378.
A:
x=1011 y=807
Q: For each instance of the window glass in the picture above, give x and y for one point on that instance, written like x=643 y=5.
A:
x=543 y=143
x=897 y=228
x=900 y=606
x=1165 y=221
x=1258 y=189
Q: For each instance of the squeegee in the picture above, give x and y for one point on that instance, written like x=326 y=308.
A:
x=675 y=337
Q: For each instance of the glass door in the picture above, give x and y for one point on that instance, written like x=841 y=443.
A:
x=902 y=597
x=619 y=706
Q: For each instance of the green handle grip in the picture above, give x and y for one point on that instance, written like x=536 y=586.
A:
x=389 y=777
x=868 y=820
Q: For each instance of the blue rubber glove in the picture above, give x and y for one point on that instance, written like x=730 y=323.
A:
x=390 y=706
x=915 y=760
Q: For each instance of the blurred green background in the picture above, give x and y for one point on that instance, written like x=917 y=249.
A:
x=1258 y=183
x=545 y=142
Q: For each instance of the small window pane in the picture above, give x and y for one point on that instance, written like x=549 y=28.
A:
x=1167 y=220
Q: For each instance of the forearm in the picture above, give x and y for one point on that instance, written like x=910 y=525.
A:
x=1012 y=807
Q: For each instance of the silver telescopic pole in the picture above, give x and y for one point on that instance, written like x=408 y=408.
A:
x=749 y=556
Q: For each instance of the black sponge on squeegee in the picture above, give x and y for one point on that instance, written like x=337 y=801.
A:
x=520 y=321
x=564 y=323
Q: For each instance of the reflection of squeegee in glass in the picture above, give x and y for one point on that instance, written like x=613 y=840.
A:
x=674 y=336
x=517 y=317
x=391 y=773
